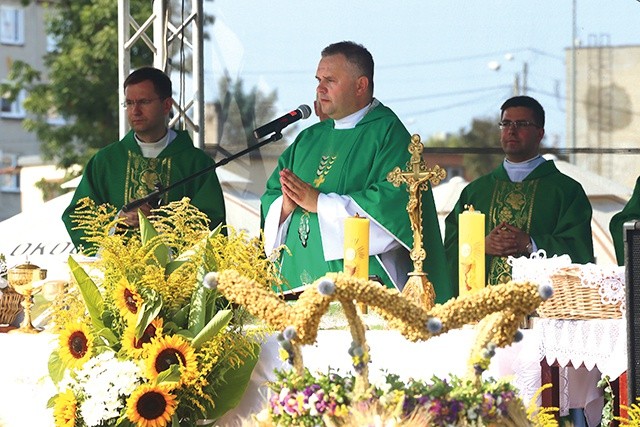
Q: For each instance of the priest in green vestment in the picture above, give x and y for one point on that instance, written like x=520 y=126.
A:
x=337 y=168
x=528 y=204
x=150 y=154
x=631 y=211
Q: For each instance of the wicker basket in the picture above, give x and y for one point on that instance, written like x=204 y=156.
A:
x=9 y=306
x=571 y=300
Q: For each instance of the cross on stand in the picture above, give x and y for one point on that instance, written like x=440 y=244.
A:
x=417 y=177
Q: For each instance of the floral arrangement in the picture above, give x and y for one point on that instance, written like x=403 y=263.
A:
x=302 y=399
x=329 y=399
x=142 y=341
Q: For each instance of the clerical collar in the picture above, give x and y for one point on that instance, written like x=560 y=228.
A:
x=151 y=150
x=519 y=171
x=352 y=120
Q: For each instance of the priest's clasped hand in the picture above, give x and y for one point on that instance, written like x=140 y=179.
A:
x=131 y=217
x=296 y=192
x=505 y=240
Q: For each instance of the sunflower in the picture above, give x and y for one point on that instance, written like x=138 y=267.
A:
x=65 y=409
x=151 y=406
x=134 y=346
x=171 y=350
x=127 y=299
x=76 y=344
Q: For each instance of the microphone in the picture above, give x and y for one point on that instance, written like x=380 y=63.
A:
x=302 y=112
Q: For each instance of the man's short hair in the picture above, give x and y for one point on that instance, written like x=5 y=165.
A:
x=161 y=82
x=356 y=54
x=527 y=102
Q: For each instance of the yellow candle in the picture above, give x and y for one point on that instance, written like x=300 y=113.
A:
x=470 y=251
x=356 y=246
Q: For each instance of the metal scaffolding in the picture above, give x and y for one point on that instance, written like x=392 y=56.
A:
x=187 y=32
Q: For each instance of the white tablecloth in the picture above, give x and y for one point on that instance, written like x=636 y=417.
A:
x=25 y=386
x=24 y=380
x=585 y=350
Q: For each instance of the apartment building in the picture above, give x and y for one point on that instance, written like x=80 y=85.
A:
x=22 y=38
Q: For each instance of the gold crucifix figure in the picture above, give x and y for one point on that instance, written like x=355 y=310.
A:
x=417 y=177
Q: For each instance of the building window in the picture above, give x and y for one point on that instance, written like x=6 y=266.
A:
x=9 y=172
x=13 y=109
x=11 y=25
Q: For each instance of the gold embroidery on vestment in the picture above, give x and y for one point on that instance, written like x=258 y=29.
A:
x=326 y=162
x=512 y=202
x=144 y=174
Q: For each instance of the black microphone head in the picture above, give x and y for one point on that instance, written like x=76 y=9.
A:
x=305 y=110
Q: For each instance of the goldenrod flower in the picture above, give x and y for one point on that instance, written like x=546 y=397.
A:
x=76 y=344
x=171 y=350
x=127 y=299
x=65 y=409
x=134 y=346
x=151 y=406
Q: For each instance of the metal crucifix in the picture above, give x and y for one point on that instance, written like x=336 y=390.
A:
x=417 y=177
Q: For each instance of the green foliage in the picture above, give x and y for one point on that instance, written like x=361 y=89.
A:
x=235 y=384
x=215 y=325
x=608 y=409
x=483 y=134
x=483 y=138
x=56 y=367
x=80 y=84
x=147 y=233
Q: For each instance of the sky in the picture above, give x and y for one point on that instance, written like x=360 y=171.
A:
x=438 y=63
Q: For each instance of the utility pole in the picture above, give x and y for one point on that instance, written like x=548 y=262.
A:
x=521 y=89
x=574 y=37
x=188 y=108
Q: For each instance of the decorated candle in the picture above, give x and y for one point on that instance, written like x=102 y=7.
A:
x=471 y=251
x=356 y=246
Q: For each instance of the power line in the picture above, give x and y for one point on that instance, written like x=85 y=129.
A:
x=449 y=106
x=543 y=150
x=453 y=59
x=444 y=94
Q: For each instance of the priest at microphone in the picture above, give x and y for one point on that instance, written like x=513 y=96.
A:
x=337 y=168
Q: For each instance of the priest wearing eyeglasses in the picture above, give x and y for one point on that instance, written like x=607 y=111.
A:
x=151 y=155
x=528 y=203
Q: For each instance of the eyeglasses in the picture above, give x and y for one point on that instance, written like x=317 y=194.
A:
x=518 y=124
x=130 y=103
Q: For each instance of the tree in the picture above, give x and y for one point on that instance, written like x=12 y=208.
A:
x=482 y=142
x=81 y=84
x=238 y=112
x=483 y=134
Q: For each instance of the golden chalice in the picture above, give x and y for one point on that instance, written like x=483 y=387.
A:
x=21 y=279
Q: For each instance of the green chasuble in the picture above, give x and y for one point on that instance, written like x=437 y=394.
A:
x=550 y=206
x=630 y=212
x=119 y=174
x=355 y=162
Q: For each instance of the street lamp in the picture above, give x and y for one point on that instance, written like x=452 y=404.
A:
x=519 y=88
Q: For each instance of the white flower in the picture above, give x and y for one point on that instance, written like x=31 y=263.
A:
x=3 y=283
x=105 y=381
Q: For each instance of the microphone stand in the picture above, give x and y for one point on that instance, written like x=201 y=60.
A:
x=159 y=191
